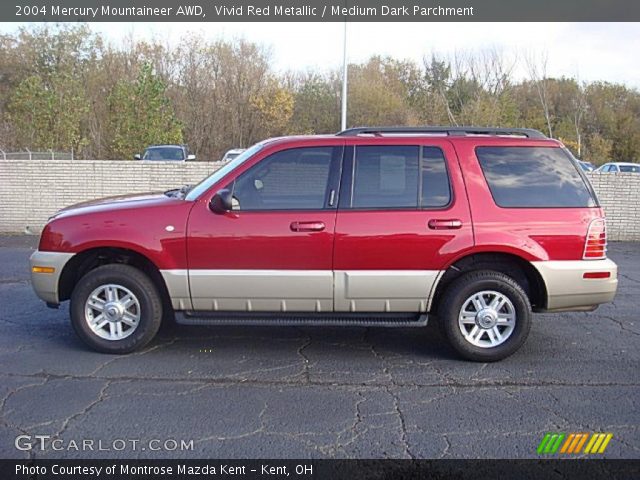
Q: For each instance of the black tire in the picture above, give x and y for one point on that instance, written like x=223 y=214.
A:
x=462 y=289
x=144 y=290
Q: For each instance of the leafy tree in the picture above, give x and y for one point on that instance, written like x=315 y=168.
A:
x=49 y=115
x=141 y=115
x=275 y=107
x=316 y=107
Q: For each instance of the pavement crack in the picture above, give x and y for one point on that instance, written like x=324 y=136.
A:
x=12 y=392
x=447 y=446
x=134 y=354
x=102 y=395
x=627 y=277
x=352 y=429
x=231 y=380
x=261 y=428
x=622 y=326
x=394 y=397
x=305 y=373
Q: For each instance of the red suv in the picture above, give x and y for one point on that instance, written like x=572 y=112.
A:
x=477 y=227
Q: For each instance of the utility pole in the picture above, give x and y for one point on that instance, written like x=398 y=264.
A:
x=343 y=123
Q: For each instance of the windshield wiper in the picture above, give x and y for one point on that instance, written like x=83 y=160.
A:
x=184 y=190
x=179 y=192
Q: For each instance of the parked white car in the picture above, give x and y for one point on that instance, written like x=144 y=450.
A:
x=231 y=154
x=618 y=167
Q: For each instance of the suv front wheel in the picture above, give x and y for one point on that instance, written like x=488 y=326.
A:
x=485 y=315
x=116 y=309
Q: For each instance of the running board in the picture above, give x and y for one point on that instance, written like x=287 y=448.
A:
x=342 y=319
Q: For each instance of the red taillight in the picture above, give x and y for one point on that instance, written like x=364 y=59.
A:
x=595 y=246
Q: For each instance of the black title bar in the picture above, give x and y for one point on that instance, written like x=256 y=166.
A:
x=320 y=11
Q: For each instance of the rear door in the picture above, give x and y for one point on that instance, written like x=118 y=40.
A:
x=402 y=218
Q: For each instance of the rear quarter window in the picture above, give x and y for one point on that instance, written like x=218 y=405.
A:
x=533 y=177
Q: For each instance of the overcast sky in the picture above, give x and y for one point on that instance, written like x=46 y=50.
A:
x=590 y=51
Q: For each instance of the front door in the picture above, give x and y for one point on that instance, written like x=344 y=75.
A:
x=403 y=216
x=273 y=251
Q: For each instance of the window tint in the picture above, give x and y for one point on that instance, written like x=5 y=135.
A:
x=630 y=168
x=294 y=179
x=385 y=177
x=533 y=177
x=436 y=191
x=163 y=153
x=389 y=176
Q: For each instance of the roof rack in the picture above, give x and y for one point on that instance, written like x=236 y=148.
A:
x=449 y=131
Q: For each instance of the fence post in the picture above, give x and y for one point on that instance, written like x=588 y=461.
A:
x=29 y=152
x=52 y=154
x=4 y=155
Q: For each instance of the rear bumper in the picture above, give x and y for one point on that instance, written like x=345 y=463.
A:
x=567 y=289
x=46 y=284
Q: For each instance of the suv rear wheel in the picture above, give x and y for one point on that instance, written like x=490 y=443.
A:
x=116 y=309
x=485 y=315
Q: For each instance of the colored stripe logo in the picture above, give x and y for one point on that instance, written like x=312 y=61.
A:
x=573 y=443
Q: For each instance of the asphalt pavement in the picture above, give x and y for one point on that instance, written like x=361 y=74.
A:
x=288 y=392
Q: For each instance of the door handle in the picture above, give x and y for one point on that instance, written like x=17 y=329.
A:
x=448 y=224
x=307 y=226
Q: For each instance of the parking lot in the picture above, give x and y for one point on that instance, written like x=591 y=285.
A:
x=314 y=392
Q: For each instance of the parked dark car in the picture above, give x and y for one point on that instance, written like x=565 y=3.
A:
x=177 y=153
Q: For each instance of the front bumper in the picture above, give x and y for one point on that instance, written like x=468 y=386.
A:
x=567 y=289
x=46 y=284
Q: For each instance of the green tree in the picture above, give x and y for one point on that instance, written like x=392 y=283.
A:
x=316 y=106
x=49 y=115
x=141 y=115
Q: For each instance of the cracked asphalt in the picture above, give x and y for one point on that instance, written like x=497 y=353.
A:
x=245 y=392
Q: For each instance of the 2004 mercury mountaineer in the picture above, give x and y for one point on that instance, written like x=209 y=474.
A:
x=475 y=227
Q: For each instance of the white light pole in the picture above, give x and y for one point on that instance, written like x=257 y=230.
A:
x=343 y=123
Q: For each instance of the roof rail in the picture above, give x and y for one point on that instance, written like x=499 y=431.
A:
x=449 y=131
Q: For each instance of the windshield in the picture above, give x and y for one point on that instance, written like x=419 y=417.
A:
x=163 y=153
x=220 y=173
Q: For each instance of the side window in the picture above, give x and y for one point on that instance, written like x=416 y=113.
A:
x=533 y=177
x=400 y=176
x=436 y=190
x=294 y=179
x=385 y=177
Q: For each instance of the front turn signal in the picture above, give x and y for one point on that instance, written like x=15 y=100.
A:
x=37 y=269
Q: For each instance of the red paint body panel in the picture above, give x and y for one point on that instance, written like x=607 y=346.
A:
x=136 y=222
x=532 y=233
x=399 y=240
x=259 y=240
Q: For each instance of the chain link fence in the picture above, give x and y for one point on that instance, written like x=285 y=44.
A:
x=27 y=154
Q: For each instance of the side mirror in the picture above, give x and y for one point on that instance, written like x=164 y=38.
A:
x=136 y=156
x=191 y=157
x=222 y=201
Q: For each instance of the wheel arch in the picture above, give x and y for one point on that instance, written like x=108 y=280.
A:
x=515 y=266
x=86 y=260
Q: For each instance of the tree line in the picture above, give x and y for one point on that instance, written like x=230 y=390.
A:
x=67 y=88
